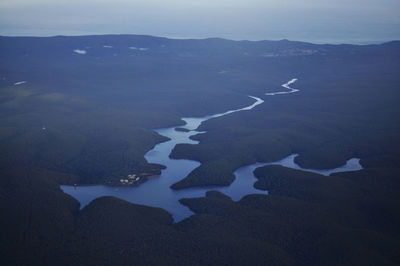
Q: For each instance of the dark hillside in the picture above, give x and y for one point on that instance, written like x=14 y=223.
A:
x=347 y=107
x=82 y=109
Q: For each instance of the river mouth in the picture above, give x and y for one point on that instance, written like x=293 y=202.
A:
x=156 y=192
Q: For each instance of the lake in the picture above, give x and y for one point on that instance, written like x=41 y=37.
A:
x=156 y=192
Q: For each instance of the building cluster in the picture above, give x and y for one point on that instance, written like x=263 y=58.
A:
x=131 y=180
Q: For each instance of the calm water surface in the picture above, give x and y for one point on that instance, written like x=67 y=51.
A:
x=157 y=193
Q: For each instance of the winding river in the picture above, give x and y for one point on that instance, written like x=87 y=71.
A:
x=157 y=192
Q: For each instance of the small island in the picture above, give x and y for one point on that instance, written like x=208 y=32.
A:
x=181 y=129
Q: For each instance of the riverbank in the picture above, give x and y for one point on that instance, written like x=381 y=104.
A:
x=157 y=192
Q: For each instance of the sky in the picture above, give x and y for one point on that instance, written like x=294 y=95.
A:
x=321 y=21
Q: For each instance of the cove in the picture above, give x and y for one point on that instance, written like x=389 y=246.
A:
x=156 y=192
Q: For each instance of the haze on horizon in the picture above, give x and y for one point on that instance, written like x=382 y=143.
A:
x=357 y=21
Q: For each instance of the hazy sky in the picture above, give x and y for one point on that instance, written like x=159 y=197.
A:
x=311 y=20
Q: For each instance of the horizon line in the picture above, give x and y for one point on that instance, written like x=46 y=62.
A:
x=322 y=41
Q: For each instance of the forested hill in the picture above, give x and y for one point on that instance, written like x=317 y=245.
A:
x=88 y=90
x=82 y=109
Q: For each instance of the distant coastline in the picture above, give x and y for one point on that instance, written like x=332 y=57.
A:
x=335 y=41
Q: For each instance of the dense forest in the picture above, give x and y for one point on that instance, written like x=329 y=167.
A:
x=346 y=108
x=82 y=109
